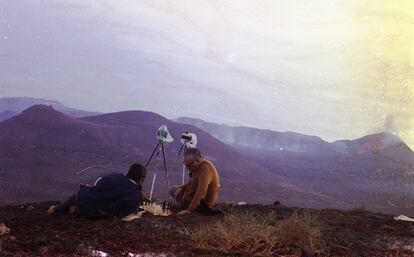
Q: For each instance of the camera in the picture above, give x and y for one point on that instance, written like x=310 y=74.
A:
x=163 y=135
x=189 y=139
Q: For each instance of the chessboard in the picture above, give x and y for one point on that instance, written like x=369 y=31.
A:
x=157 y=209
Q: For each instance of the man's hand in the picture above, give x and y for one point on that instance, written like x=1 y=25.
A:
x=179 y=193
x=184 y=212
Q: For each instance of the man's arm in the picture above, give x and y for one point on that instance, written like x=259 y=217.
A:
x=180 y=191
x=184 y=187
x=130 y=206
x=201 y=191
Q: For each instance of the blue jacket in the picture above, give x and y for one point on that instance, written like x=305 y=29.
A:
x=112 y=195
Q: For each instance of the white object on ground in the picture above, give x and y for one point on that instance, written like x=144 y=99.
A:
x=97 y=253
x=404 y=218
x=133 y=216
x=242 y=203
x=148 y=255
x=3 y=229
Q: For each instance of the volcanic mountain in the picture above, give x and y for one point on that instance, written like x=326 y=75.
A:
x=45 y=154
x=42 y=151
x=375 y=171
x=12 y=106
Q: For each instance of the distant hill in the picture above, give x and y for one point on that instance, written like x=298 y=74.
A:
x=11 y=106
x=298 y=143
x=41 y=151
x=7 y=115
x=375 y=171
x=261 y=138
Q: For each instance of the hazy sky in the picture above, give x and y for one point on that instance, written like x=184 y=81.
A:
x=332 y=68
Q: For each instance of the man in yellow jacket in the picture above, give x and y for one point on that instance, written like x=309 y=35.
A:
x=202 y=191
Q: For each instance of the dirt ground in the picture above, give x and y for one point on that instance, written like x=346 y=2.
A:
x=34 y=233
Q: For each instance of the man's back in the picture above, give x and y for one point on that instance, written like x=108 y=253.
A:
x=204 y=185
x=114 y=194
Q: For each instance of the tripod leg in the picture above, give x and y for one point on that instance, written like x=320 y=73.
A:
x=153 y=184
x=153 y=153
x=176 y=160
x=181 y=149
x=165 y=167
x=183 y=182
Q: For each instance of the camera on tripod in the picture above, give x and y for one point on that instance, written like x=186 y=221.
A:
x=163 y=135
x=189 y=140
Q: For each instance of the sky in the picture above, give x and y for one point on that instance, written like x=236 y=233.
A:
x=338 y=69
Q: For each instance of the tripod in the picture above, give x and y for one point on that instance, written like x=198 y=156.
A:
x=188 y=140
x=183 y=147
x=158 y=149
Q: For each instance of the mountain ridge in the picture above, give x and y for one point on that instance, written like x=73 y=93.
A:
x=17 y=104
x=378 y=140
x=42 y=149
x=374 y=170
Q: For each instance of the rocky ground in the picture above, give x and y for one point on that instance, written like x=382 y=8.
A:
x=344 y=233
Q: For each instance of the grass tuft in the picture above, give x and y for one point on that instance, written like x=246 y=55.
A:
x=259 y=235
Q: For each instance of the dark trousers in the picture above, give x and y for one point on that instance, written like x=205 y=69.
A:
x=64 y=206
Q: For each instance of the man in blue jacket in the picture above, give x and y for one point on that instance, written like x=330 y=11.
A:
x=112 y=195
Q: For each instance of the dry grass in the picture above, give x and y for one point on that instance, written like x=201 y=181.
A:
x=259 y=235
x=301 y=231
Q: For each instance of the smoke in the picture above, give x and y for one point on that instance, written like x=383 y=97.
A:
x=389 y=125
x=400 y=125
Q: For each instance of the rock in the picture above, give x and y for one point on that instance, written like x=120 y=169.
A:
x=30 y=208
x=404 y=218
x=3 y=229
